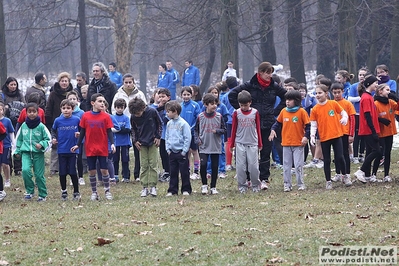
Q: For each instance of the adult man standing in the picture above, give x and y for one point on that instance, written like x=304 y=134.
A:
x=264 y=92
x=81 y=80
x=114 y=75
x=40 y=81
x=101 y=84
x=191 y=75
x=176 y=79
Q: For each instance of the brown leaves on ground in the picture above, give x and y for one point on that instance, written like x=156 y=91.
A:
x=103 y=241
x=364 y=217
x=275 y=260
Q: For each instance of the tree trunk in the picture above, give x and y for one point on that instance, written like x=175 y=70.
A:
x=247 y=62
x=267 y=47
x=229 y=34
x=324 y=45
x=295 y=49
x=84 y=58
x=209 y=63
x=394 y=66
x=347 y=35
x=3 y=49
x=372 y=55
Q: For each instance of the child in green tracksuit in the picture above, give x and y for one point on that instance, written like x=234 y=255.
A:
x=33 y=139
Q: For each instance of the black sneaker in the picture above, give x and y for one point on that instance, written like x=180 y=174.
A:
x=165 y=177
x=64 y=195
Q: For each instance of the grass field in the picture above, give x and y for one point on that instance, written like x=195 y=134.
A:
x=268 y=228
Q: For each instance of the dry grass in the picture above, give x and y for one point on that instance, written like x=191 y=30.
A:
x=225 y=229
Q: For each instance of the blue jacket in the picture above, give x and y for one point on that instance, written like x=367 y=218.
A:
x=176 y=80
x=224 y=98
x=347 y=85
x=189 y=112
x=165 y=80
x=191 y=76
x=178 y=136
x=122 y=137
x=116 y=78
x=354 y=97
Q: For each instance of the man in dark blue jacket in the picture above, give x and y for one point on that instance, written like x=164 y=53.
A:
x=264 y=92
x=191 y=75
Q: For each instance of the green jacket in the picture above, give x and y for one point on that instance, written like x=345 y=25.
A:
x=27 y=139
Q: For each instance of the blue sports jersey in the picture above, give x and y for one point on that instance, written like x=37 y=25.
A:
x=66 y=129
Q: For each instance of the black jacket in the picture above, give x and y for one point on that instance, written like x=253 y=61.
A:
x=262 y=100
x=106 y=87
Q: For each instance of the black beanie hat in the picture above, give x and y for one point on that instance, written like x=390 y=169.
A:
x=369 y=80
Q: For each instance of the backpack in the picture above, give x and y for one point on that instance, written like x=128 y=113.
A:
x=14 y=110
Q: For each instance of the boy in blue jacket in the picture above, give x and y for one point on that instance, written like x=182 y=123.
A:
x=177 y=141
x=122 y=140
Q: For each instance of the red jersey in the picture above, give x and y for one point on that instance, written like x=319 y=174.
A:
x=22 y=116
x=367 y=105
x=2 y=131
x=96 y=138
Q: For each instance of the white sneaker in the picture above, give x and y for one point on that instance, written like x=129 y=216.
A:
x=214 y=191
x=204 y=189
x=81 y=181
x=347 y=180
x=387 y=179
x=194 y=176
x=355 y=160
x=7 y=183
x=360 y=176
x=108 y=195
x=153 y=191
x=287 y=189
x=301 y=187
x=222 y=175
x=70 y=182
x=3 y=194
x=320 y=164
x=94 y=196
x=372 y=179
x=312 y=164
x=329 y=185
x=169 y=194
x=144 y=192
x=185 y=193
x=336 y=178
x=229 y=167
x=263 y=185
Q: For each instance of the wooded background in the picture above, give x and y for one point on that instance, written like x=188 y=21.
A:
x=325 y=35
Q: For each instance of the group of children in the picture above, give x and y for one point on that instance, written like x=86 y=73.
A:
x=199 y=128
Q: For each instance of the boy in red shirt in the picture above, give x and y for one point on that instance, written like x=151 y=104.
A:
x=96 y=129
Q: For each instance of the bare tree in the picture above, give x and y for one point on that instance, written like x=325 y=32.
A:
x=3 y=49
x=267 y=47
x=229 y=34
x=125 y=33
x=295 y=32
x=84 y=58
x=394 y=70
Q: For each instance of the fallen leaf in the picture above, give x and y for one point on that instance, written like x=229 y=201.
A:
x=270 y=244
x=240 y=244
x=95 y=226
x=168 y=248
x=3 y=262
x=365 y=217
x=144 y=233
x=351 y=223
x=382 y=240
x=7 y=243
x=16 y=189
x=309 y=216
x=180 y=201
x=217 y=225
x=119 y=235
x=9 y=232
x=162 y=224
x=139 y=222
x=335 y=244
x=103 y=241
x=199 y=232
x=276 y=260
x=79 y=249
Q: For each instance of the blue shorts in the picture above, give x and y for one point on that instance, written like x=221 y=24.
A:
x=5 y=157
x=67 y=164
x=92 y=161
x=193 y=145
